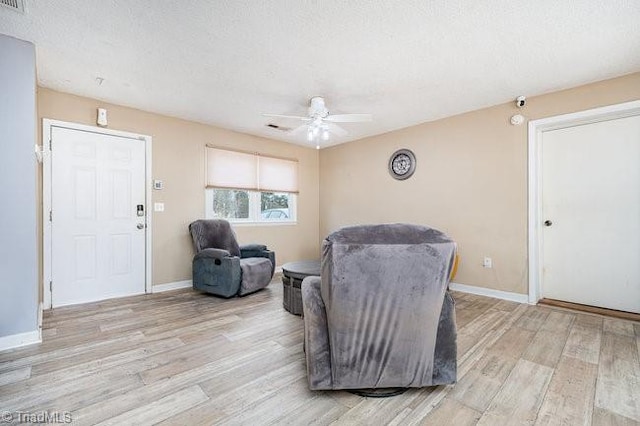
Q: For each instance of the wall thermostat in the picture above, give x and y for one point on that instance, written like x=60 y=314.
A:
x=157 y=184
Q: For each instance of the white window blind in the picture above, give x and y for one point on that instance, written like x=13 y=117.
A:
x=253 y=172
x=277 y=175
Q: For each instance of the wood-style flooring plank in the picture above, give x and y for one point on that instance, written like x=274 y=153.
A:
x=636 y=327
x=584 y=339
x=44 y=352
x=14 y=376
x=452 y=412
x=484 y=380
x=221 y=406
x=519 y=400
x=320 y=410
x=624 y=328
x=548 y=343
x=470 y=335
x=380 y=410
x=161 y=409
x=141 y=357
x=618 y=386
x=246 y=372
x=513 y=343
x=569 y=399
x=76 y=392
x=603 y=417
x=266 y=411
x=533 y=319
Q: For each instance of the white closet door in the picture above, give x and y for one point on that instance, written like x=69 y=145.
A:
x=591 y=198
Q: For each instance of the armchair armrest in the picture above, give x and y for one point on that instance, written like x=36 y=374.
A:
x=253 y=247
x=212 y=253
x=316 y=335
x=258 y=250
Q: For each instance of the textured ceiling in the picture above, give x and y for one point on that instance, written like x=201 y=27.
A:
x=404 y=61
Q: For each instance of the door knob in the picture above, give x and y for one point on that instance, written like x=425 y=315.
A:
x=548 y=223
x=140 y=226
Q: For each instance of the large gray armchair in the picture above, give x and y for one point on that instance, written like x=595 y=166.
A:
x=224 y=268
x=380 y=315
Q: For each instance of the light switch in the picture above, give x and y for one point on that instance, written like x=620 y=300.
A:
x=158 y=207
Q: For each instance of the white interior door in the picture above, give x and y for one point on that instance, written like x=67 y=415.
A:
x=98 y=236
x=591 y=198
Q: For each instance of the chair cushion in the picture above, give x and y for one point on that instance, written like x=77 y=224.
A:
x=256 y=274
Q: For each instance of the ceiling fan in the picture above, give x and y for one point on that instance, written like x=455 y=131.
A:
x=319 y=123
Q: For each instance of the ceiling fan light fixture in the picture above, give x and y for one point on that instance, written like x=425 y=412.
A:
x=320 y=124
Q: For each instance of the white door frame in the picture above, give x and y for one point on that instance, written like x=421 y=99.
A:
x=47 y=127
x=536 y=129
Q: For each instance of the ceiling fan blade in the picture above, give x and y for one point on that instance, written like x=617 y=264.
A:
x=294 y=117
x=337 y=130
x=298 y=130
x=348 y=118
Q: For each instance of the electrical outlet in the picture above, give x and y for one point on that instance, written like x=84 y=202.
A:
x=487 y=262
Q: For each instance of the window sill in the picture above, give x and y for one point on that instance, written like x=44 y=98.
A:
x=252 y=224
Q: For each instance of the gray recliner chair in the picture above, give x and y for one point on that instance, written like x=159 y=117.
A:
x=224 y=268
x=380 y=315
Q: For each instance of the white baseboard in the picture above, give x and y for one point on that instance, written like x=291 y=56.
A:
x=21 y=339
x=489 y=292
x=158 y=288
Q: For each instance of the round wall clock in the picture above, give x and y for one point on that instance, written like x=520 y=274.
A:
x=402 y=164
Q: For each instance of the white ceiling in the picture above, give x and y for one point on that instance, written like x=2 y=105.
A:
x=404 y=61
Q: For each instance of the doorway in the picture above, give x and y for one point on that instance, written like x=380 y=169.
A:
x=96 y=223
x=584 y=211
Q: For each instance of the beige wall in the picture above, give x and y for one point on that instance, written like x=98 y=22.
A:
x=470 y=181
x=178 y=149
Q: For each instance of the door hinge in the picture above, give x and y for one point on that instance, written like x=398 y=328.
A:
x=49 y=144
x=50 y=216
x=51 y=286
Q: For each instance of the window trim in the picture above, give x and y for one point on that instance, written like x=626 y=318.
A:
x=254 y=209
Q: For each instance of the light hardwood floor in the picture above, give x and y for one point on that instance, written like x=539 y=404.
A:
x=185 y=358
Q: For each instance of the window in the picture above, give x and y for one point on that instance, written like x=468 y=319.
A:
x=240 y=206
x=246 y=187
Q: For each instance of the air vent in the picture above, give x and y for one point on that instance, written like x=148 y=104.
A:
x=15 y=5
x=281 y=128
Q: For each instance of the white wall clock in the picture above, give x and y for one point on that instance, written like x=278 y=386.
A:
x=402 y=164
